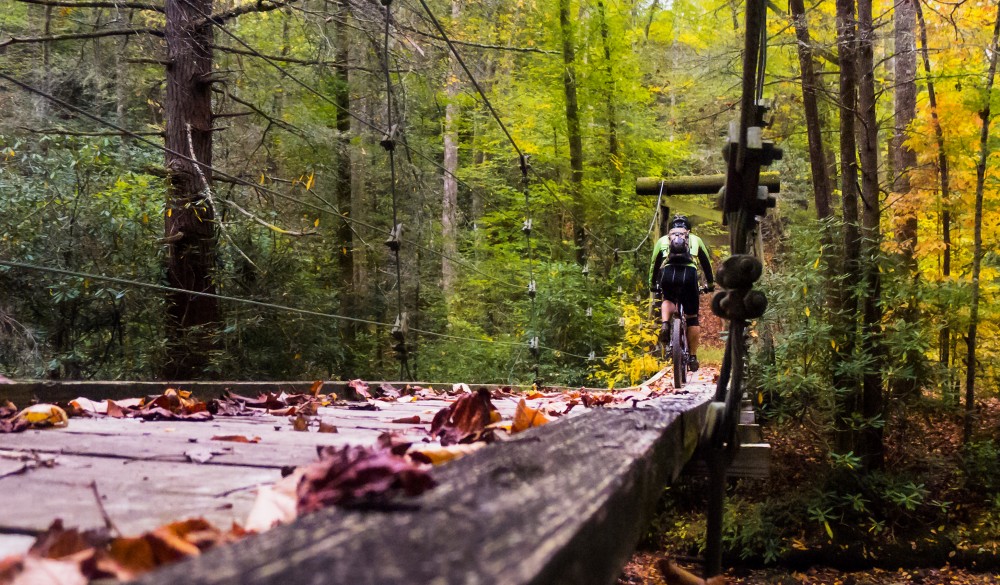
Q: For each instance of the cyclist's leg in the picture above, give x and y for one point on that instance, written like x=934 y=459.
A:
x=689 y=300
x=668 y=289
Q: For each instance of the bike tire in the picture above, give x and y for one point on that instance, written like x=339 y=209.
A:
x=677 y=354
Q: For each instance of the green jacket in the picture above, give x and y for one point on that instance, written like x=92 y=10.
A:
x=698 y=250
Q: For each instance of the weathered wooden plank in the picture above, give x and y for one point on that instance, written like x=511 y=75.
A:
x=138 y=495
x=563 y=503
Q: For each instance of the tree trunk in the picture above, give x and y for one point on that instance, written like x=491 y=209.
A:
x=904 y=162
x=845 y=384
x=944 y=341
x=613 y=147
x=977 y=251
x=449 y=202
x=905 y=108
x=343 y=183
x=822 y=186
x=189 y=224
x=573 y=129
x=871 y=392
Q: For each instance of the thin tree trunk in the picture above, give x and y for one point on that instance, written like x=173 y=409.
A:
x=977 y=252
x=449 y=202
x=189 y=224
x=904 y=162
x=573 y=128
x=822 y=186
x=871 y=394
x=905 y=108
x=343 y=183
x=613 y=148
x=845 y=384
x=944 y=341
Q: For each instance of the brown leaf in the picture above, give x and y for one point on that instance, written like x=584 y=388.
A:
x=300 y=423
x=316 y=387
x=408 y=420
x=389 y=392
x=236 y=438
x=355 y=474
x=464 y=420
x=437 y=455
x=113 y=410
x=526 y=417
x=360 y=388
x=592 y=399
x=325 y=427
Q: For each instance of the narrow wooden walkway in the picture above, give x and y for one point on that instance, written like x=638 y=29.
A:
x=562 y=503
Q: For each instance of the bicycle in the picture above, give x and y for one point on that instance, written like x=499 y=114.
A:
x=677 y=348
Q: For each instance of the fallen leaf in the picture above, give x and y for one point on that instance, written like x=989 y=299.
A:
x=44 y=415
x=465 y=420
x=316 y=387
x=408 y=420
x=200 y=455
x=526 y=417
x=436 y=455
x=275 y=504
x=355 y=474
x=325 y=427
x=236 y=438
x=389 y=392
x=360 y=388
x=300 y=423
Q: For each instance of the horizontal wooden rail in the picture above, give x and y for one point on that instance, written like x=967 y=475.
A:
x=562 y=503
x=696 y=185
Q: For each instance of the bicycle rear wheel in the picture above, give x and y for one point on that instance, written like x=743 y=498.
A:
x=677 y=353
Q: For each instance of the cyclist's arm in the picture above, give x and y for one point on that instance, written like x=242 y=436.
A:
x=654 y=263
x=706 y=264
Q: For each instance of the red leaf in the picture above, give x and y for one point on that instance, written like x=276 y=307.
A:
x=355 y=474
x=361 y=388
x=464 y=420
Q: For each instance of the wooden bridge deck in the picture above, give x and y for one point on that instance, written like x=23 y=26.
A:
x=561 y=503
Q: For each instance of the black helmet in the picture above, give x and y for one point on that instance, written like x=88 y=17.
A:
x=680 y=221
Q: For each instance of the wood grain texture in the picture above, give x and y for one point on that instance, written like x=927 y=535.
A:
x=562 y=503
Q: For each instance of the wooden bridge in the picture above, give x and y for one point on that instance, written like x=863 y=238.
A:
x=562 y=503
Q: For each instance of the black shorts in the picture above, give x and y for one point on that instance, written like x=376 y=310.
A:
x=680 y=286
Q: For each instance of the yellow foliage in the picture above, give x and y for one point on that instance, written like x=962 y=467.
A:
x=632 y=360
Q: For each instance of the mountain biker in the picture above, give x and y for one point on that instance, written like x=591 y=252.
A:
x=673 y=275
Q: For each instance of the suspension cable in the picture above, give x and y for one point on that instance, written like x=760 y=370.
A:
x=389 y=144
x=316 y=92
x=239 y=180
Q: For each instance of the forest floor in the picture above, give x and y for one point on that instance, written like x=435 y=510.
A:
x=641 y=570
x=940 y=432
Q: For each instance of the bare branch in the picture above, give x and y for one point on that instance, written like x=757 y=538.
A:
x=285 y=59
x=91 y=35
x=259 y=6
x=64 y=132
x=96 y=4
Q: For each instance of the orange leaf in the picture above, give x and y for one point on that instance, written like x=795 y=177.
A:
x=526 y=417
x=316 y=387
x=236 y=438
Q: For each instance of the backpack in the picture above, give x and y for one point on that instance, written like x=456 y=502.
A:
x=679 y=247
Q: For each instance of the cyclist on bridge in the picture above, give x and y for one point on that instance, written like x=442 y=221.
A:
x=673 y=276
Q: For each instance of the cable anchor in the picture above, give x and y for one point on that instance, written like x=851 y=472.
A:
x=388 y=141
x=532 y=289
x=526 y=228
x=395 y=235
